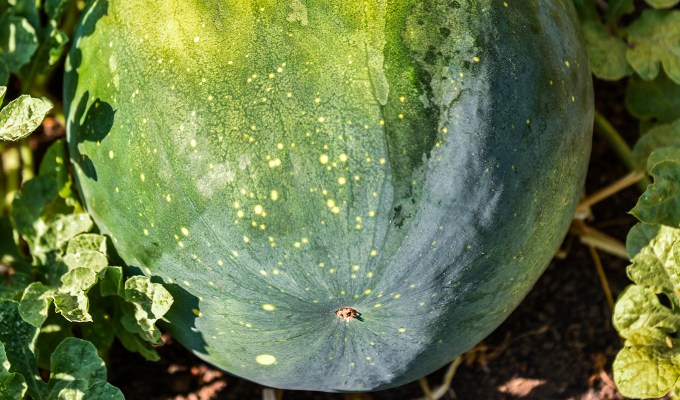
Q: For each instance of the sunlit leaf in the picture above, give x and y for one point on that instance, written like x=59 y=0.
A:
x=151 y=301
x=660 y=204
x=35 y=303
x=22 y=116
x=662 y=3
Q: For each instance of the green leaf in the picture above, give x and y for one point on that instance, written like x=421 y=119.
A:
x=662 y=3
x=111 y=283
x=649 y=364
x=55 y=8
x=22 y=116
x=658 y=100
x=617 y=9
x=660 y=203
x=646 y=371
x=64 y=228
x=78 y=372
x=3 y=90
x=656 y=265
x=607 y=52
x=35 y=303
x=54 y=330
x=12 y=286
x=12 y=385
x=71 y=300
x=654 y=40
x=54 y=163
x=30 y=204
x=87 y=251
x=666 y=135
x=18 y=336
x=18 y=41
x=151 y=301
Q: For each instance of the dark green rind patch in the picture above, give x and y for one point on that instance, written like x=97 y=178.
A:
x=418 y=166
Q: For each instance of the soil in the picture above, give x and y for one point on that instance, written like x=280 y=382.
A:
x=558 y=344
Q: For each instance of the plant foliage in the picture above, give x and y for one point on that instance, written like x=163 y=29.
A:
x=63 y=301
x=627 y=40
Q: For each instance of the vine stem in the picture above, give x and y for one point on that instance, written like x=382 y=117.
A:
x=607 y=131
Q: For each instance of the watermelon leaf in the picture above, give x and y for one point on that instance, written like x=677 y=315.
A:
x=661 y=202
x=662 y=3
x=657 y=100
x=151 y=301
x=22 y=116
x=606 y=51
x=12 y=385
x=666 y=135
x=78 y=372
x=654 y=40
x=18 y=40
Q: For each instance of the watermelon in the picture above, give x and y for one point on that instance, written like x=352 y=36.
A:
x=341 y=195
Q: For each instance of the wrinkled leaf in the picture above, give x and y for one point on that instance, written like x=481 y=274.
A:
x=87 y=251
x=656 y=265
x=12 y=385
x=666 y=135
x=18 y=336
x=151 y=301
x=65 y=228
x=35 y=303
x=646 y=371
x=22 y=116
x=657 y=100
x=18 y=41
x=76 y=366
x=654 y=40
x=660 y=204
x=607 y=52
x=71 y=299
x=662 y=3
x=648 y=365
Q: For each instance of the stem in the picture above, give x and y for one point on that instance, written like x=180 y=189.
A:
x=607 y=131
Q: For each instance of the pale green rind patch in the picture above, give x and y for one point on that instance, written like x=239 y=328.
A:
x=606 y=52
x=12 y=385
x=662 y=3
x=35 y=303
x=77 y=369
x=666 y=135
x=22 y=116
x=151 y=301
x=654 y=40
x=18 y=41
x=18 y=337
x=661 y=202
